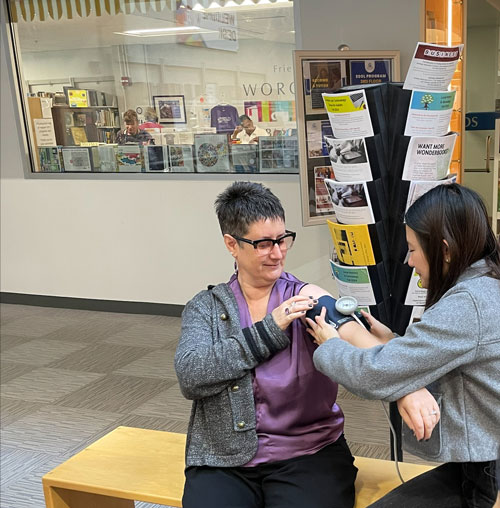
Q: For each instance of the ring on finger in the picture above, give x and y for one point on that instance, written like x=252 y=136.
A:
x=287 y=311
x=431 y=413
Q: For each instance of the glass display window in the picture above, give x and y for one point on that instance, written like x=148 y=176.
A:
x=156 y=86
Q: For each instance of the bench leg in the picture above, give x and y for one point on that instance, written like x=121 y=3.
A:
x=56 y=497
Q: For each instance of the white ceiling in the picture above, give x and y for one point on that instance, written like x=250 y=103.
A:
x=271 y=24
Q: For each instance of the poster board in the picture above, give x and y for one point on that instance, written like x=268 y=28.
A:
x=323 y=71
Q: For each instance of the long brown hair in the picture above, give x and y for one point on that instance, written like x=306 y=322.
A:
x=458 y=215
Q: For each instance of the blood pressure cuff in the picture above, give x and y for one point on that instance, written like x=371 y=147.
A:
x=333 y=316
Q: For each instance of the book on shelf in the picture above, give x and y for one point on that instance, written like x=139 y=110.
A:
x=181 y=158
x=79 y=135
x=78 y=98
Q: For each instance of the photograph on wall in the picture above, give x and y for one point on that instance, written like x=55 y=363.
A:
x=322 y=196
x=181 y=158
x=76 y=159
x=348 y=114
x=369 y=72
x=212 y=153
x=351 y=202
x=317 y=131
x=349 y=159
x=428 y=158
x=170 y=108
x=321 y=76
x=429 y=113
x=432 y=66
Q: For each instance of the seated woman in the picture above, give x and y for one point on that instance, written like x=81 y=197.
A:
x=265 y=430
x=455 y=348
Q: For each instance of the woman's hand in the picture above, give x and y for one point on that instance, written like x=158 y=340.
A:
x=291 y=309
x=378 y=329
x=420 y=412
x=320 y=329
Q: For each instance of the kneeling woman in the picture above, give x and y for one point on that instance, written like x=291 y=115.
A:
x=454 y=351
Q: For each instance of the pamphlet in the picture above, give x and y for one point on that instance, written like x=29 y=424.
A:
x=76 y=159
x=416 y=314
x=416 y=294
x=428 y=158
x=432 y=66
x=418 y=188
x=429 y=113
x=351 y=202
x=317 y=133
x=322 y=196
x=349 y=159
x=354 y=281
x=349 y=115
x=352 y=243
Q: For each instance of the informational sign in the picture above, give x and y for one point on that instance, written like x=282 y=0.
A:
x=354 y=281
x=44 y=132
x=428 y=158
x=218 y=30
x=369 y=72
x=429 y=113
x=432 y=67
x=348 y=114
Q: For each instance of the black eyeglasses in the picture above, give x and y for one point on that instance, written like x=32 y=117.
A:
x=266 y=245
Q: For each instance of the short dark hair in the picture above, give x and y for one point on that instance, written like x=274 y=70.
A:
x=130 y=116
x=456 y=214
x=244 y=117
x=244 y=203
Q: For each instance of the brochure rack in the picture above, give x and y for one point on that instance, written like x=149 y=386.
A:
x=388 y=143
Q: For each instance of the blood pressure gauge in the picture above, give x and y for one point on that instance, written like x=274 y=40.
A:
x=347 y=306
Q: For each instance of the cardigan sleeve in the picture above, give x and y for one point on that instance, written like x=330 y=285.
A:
x=206 y=363
x=446 y=338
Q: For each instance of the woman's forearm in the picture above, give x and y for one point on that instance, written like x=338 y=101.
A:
x=358 y=336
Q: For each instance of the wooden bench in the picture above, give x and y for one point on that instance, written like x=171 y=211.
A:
x=148 y=465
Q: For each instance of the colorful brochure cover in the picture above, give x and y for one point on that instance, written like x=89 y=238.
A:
x=352 y=243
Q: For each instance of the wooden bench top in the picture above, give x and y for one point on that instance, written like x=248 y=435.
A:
x=148 y=465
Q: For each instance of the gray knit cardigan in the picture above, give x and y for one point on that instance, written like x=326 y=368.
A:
x=213 y=362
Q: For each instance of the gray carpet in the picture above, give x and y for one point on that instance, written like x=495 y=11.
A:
x=70 y=377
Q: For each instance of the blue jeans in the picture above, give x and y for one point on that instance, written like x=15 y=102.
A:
x=452 y=485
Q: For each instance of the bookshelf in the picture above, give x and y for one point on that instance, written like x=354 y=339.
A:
x=90 y=124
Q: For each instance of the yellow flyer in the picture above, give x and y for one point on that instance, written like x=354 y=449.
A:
x=348 y=114
x=78 y=98
x=352 y=243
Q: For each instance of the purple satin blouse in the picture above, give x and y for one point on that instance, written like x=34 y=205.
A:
x=295 y=404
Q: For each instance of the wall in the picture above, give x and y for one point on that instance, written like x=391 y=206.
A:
x=155 y=240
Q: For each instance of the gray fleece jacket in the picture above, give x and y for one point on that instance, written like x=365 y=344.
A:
x=213 y=362
x=456 y=347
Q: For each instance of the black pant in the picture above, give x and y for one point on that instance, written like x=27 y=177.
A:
x=323 y=480
x=452 y=485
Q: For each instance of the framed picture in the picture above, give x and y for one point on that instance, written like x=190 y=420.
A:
x=170 y=108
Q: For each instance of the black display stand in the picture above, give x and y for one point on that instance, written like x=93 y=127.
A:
x=388 y=105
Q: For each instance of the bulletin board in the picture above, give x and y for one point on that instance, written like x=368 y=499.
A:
x=318 y=72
